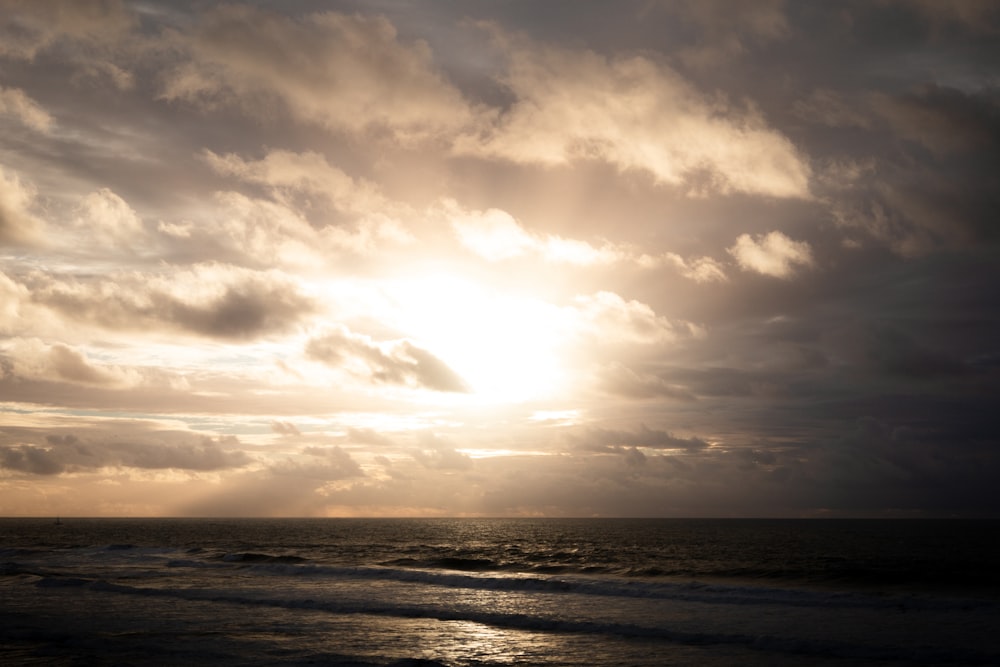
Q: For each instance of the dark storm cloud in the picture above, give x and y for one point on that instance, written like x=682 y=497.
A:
x=397 y=362
x=947 y=120
x=954 y=196
x=935 y=184
x=876 y=464
x=896 y=353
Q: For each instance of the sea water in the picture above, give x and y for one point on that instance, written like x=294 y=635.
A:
x=498 y=592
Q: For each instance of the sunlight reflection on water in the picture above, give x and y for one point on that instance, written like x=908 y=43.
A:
x=469 y=641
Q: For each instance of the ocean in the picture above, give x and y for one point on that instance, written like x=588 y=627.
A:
x=463 y=592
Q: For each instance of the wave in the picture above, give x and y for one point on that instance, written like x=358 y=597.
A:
x=799 y=646
x=448 y=563
x=602 y=586
x=252 y=557
x=485 y=574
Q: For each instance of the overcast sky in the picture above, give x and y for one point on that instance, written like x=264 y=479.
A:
x=567 y=258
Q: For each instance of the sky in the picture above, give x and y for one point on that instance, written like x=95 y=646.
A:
x=512 y=258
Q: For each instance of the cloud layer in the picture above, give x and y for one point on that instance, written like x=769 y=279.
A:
x=678 y=258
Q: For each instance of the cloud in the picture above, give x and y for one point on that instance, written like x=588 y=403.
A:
x=30 y=459
x=398 y=362
x=261 y=232
x=13 y=296
x=610 y=440
x=977 y=16
x=934 y=187
x=896 y=353
x=830 y=107
x=345 y=73
x=18 y=226
x=106 y=218
x=88 y=36
x=202 y=454
x=367 y=436
x=264 y=233
x=14 y=102
x=493 y=234
x=33 y=359
x=290 y=175
x=726 y=30
x=636 y=114
x=439 y=454
x=329 y=463
x=874 y=463
x=316 y=206
x=26 y=27
x=610 y=317
x=284 y=428
x=772 y=255
x=699 y=269
x=545 y=217
x=496 y=236
x=945 y=120
x=211 y=300
x=71 y=453
x=621 y=380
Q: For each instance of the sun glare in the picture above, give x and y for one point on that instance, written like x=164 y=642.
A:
x=505 y=346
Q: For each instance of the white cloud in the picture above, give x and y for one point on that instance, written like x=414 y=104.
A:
x=352 y=214
x=612 y=318
x=105 y=216
x=699 y=269
x=262 y=232
x=492 y=234
x=772 y=255
x=637 y=115
x=496 y=235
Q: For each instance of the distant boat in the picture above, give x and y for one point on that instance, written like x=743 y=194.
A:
x=59 y=521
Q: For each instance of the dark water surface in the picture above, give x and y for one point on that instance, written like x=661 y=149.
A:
x=499 y=592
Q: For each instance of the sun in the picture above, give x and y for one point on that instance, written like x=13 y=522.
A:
x=506 y=346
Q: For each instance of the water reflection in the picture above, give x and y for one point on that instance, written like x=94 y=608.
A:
x=467 y=642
